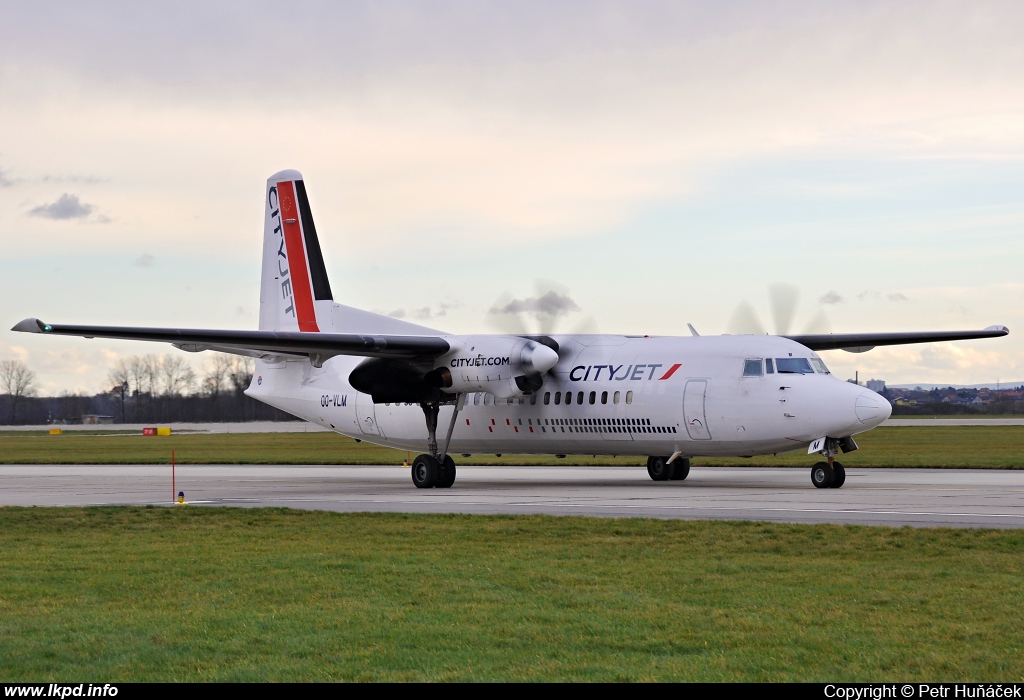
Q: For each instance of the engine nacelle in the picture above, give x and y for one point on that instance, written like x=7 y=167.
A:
x=503 y=365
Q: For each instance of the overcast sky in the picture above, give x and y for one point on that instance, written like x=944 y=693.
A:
x=662 y=162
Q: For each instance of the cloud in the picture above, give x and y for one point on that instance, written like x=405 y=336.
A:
x=5 y=180
x=831 y=297
x=890 y=296
x=550 y=303
x=73 y=179
x=69 y=206
x=397 y=313
x=145 y=260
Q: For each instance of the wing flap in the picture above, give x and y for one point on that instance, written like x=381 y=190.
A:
x=258 y=343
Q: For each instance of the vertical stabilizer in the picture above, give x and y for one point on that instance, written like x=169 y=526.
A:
x=294 y=292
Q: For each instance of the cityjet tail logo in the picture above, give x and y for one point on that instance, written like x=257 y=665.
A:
x=480 y=361
x=282 y=257
x=634 y=373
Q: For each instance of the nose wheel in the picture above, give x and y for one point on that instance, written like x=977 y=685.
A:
x=825 y=475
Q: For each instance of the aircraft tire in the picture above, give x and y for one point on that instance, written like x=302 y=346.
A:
x=659 y=469
x=840 y=479
x=447 y=475
x=425 y=471
x=822 y=475
x=681 y=469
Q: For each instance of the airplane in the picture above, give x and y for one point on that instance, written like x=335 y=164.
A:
x=402 y=385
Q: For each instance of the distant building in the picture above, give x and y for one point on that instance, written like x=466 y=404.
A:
x=876 y=385
x=93 y=419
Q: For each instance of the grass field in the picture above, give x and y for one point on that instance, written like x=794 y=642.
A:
x=178 y=594
x=995 y=447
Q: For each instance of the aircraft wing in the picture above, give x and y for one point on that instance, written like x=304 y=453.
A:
x=862 y=342
x=265 y=344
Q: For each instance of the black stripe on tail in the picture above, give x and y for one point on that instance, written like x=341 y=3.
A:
x=317 y=270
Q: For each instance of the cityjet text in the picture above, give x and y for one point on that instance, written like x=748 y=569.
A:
x=619 y=373
x=480 y=361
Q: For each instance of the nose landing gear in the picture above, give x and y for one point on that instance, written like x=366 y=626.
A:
x=830 y=474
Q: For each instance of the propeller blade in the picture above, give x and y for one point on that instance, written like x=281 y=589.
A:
x=744 y=321
x=783 y=299
x=819 y=324
x=551 y=303
x=505 y=316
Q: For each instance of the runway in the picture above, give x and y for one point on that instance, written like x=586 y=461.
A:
x=916 y=497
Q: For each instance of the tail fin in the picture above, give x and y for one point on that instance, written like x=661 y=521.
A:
x=294 y=294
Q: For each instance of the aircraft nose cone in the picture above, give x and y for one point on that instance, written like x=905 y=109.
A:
x=871 y=408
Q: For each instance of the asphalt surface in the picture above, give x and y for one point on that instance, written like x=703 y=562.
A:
x=916 y=497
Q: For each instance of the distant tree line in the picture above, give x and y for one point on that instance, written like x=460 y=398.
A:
x=143 y=389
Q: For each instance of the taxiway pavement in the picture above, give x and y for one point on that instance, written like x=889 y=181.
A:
x=917 y=497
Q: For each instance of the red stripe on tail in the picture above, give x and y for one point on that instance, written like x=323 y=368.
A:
x=297 y=258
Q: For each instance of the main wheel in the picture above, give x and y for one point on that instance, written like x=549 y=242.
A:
x=840 y=476
x=659 y=468
x=447 y=476
x=425 y=471
x=822 y=475
x=681 y=468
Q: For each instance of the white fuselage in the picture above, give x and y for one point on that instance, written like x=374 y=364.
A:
x=629 y=396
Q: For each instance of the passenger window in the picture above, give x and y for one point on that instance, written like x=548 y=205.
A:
x=476 y=399
x=533 y=399
x=558 y=397
x=568 y=398
x=547 y=397
x=604 y=397
x=752 y=368
x=629 y=397
x=593 y=398
x=579 y=398
x=487 y=399
x=615 y=399
x=770 y=365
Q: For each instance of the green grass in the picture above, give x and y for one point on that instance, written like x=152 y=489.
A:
x=180 y=594
x=995 y=447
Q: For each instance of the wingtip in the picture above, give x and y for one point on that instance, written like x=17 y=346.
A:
x=1002 y=330
x=31 y=325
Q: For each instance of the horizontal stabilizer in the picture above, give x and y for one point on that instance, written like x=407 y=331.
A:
x=259 y=343
x=860 y=342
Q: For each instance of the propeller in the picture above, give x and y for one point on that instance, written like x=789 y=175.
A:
x=783 y=301
x=536 y=317
x=540 y=314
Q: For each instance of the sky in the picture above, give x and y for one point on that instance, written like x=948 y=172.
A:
x=658 y=163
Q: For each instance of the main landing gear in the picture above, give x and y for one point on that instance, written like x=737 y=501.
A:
x=660 y=469
x=436 y=469
x=830 y=474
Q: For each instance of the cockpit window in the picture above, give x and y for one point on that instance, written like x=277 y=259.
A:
x=793 y=365
x=770 y=367
x=819 y=366
x=752 y=368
